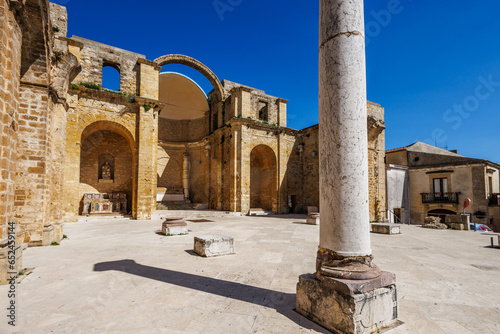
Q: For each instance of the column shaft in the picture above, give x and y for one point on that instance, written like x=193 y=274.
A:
x=343 y=129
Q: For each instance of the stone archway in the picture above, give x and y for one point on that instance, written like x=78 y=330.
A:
x=195 y=64
x=263 y=179
x=105 y=147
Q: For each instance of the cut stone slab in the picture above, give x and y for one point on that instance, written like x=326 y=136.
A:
x=259 y=212
x=313 y=219
x=174 y=227
x=385 y=228
x=341 y=312
x=213 y=245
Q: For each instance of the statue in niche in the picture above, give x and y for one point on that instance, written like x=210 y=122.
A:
x=106 y=171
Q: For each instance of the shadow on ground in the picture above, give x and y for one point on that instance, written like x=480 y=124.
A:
x=283 y=303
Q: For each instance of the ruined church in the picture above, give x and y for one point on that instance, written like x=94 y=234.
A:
x=71 y=148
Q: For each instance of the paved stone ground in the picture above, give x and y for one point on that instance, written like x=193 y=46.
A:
x=121 y=277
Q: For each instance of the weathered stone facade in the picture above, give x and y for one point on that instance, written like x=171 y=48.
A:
x=58 y=126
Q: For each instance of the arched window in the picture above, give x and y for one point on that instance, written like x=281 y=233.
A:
x=111 y=76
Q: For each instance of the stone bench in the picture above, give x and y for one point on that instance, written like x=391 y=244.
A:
x=174 y=226
x=213 y=245
x=385 y=228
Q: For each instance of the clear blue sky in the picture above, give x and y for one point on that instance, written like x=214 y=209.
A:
x=428 y=62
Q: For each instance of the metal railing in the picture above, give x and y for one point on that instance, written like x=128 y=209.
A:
x=442 y=198
x=395 y=217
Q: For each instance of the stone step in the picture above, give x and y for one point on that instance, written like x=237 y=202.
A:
x=188 y=214
x=106 y=217
x=175 y=206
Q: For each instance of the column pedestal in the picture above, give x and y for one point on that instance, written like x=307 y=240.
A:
x=349 y=306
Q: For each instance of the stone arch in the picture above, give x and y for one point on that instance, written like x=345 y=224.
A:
x=102 y=125
x=107 y=141
x=263 y=178
x=195 y=64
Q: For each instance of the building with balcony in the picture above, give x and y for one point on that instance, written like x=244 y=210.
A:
x=424 y=180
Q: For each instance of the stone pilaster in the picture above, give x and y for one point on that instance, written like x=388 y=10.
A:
x=147 y=140
x=348 y=293
x=186 y=167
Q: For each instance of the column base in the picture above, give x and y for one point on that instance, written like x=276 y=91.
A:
x=349 y=306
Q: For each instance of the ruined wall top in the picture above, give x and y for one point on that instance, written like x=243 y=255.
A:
x=59 y=20
x=93 y=56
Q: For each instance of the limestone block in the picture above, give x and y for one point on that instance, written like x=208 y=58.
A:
x=58 y=232
x=174 y=226
x=313 y=219
x=47 y=235
x=213 y=245
x=175 y=230
x=346 y=313
x=385 y=228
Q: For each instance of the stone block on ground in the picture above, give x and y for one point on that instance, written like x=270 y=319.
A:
x=48 y=235
x=203 y=206
x=313 y=219
x=174 y=227
x=213 y=245
x=343 y=312
x=385 y=228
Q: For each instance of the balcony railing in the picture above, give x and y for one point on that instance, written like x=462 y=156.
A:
x=442 y=198
x=494 y=199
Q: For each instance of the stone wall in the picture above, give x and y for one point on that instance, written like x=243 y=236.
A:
x=303 y=167
x=35 y=67
x=171 y=130
x=10 y=65
x=303 y=171
x=376 y=162
x=93 y=56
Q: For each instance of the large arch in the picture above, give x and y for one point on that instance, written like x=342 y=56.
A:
x=195 y=64
x=108 y=126
x=113 y=139
x=263 y=178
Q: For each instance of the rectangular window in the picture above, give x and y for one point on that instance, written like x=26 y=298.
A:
x=440 y=187
x=263 y=111
x=490 y=185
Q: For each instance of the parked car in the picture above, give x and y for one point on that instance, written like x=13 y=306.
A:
x=480 y=228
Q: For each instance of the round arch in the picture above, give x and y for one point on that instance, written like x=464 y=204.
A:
x=109 y=126
x=195 y=64
x=263 y=178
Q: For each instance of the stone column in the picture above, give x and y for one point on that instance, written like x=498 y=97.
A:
x=345 y=278
x=185 y=176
